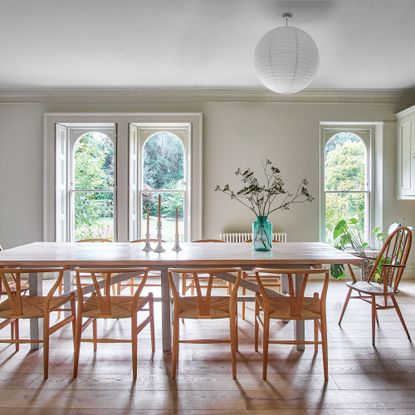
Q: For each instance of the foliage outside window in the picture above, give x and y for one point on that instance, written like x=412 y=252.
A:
x=93 y=187
x=346 y=191
x=163 y=173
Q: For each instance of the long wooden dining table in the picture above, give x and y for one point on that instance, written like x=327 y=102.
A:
x=298 y=255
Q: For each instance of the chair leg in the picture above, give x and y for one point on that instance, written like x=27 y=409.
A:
x=398 y=311
x=373 y=319
x=60 y=291
x=16 y=334
x=151 y=310
x=46 y=345
x=315 y=336
x=94 y=333
x=134 y=343
x=78 y=335
x=243 y=303
x=183 y=284
x=236 y=331
x=234 y=342
x=346 y=302
x=256 y=324
x=132 y=286
x=175 y=348
x=324 y=347
x=73 y=308
x=265 y=344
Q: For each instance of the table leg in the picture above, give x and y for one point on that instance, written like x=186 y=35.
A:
x=284 y=284
x=284 y=289
x=67 y=286
x=165 y=310
x=35 y=288
x=299 y=326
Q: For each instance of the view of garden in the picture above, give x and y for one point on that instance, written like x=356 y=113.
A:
x=94 y=182
x=345 y=181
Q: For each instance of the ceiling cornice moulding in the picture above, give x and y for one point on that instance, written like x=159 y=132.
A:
x=127 y=95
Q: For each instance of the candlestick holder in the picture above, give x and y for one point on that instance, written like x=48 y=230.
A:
x=159 y=248
x=147 y=247
x=176 y=246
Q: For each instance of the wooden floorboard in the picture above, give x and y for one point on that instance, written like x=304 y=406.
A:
x=363 y=379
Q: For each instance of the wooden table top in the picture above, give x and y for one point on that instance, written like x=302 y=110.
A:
x=125 y=253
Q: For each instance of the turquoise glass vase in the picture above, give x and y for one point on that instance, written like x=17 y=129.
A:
x=262 y=234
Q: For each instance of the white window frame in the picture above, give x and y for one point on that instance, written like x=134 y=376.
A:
x=76 y=131
x=139 y=134
x=367 y=133
x=122 y=122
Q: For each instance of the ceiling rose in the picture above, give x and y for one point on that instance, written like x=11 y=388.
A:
x=286 y=59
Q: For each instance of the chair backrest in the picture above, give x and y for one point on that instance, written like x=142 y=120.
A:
x=101 y=283
x=209 y=240
x=95 y=240
x=296 y=298
x=8 y=275
x=391 y=261
x=204 y=298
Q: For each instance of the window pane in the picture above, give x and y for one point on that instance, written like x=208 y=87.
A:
x=169 y=202
x=94 y=215
x=94 y=162
x=345 y=162
x=344 y=206
x=163 y=162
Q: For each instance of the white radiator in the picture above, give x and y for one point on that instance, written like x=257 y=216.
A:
x=245 y=236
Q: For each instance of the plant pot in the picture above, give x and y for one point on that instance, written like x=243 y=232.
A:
x=262 y=234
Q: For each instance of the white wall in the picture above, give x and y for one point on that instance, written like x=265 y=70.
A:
x=238 y=133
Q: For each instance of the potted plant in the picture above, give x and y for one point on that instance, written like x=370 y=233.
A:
x=264 y=199
x=348 y=235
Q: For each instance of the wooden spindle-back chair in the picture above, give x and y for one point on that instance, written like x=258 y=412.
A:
x=268 y=281
x=294 y=306
x=101 y=305
x=188 y=282
x=24 y=284
x=18 y=306
x=152 y=274
x=384 y=277
x=204 y=305
x=86 y=278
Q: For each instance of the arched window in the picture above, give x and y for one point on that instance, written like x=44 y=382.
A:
x=92 y=187
x=163 y=173
x=346 y=181
x=108 y=169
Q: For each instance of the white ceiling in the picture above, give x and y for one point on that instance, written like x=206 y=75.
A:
x=198 y=43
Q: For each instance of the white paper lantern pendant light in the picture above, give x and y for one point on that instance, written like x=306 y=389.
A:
x=286 y=59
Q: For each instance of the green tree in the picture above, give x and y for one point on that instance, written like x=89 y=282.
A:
x=163 y=161
x=93 y=170
x=345 y=170
x=163 y=169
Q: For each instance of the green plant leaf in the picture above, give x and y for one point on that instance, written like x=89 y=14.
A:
x=337 y=271
x=354 y=221
x=339 y=229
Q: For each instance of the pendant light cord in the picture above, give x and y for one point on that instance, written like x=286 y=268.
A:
x=287 y=16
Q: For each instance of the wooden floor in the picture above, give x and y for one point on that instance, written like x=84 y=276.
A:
x=363 y=379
